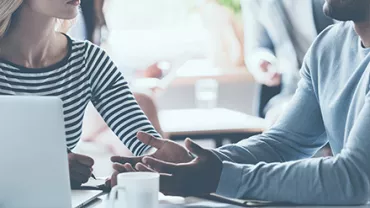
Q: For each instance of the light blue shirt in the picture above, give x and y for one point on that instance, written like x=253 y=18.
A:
x=332 y=104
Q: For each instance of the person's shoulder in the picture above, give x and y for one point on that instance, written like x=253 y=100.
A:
x=328 y=48
x=89 y=49
x=85 y=44
x=78 y=44
x=338 y=28
x=335 y=34
x=332 y=40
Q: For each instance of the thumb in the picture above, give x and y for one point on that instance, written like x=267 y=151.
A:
x=195 y=148
x=159 y=166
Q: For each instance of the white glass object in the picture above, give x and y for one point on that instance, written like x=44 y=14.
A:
x=135 y=190
x=206 y=93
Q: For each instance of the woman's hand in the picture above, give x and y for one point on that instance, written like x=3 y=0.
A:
x=80 y=169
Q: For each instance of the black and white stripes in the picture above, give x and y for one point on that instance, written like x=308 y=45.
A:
x=85 y=74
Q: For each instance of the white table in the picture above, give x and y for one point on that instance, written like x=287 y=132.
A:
x=179 y=202
x=173 y=202
x=217 y=124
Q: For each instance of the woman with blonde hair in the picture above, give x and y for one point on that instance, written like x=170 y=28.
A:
x=36 y=58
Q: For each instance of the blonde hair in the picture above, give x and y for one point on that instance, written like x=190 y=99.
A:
x=7 y=9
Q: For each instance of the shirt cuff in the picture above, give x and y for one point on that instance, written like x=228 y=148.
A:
x=230 y=180
x=219 y=154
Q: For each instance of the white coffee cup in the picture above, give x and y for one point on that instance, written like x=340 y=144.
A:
x=135 y=190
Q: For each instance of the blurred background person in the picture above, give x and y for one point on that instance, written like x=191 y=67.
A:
x=278 y=35
x=94 y=19
x=90 y=23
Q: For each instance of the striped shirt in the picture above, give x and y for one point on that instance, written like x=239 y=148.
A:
x=85 y=74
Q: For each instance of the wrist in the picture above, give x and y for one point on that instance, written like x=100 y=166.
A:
x=217 y=172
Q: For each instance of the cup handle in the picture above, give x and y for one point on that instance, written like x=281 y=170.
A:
x=112 y=195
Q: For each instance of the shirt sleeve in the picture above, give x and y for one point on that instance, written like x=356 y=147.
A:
x=115 y=102
x=272 y=166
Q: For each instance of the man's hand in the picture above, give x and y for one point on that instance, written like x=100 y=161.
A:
x=80 y=169
x=266 y=75
x=167 y=150
x=198 y=177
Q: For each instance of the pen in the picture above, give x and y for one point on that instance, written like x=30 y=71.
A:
x=92 y=175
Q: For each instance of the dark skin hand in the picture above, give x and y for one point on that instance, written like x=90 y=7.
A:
x=197 y=177
x=80 y=169
x=167 y=150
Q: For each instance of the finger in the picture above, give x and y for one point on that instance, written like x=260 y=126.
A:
x=159 y=166
x=113 y=179
x=129 y=167
x=195 y=148
x=108 y=182
x=143 y=168
x=83 y=170
x=123 y=160
x=150 y=140
x=78 y=177
x=83 y=159
x=75 y=184
x=119 y=168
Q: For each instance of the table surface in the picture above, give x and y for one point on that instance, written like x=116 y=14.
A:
x=208 y=121
x=171 y=202
x=179 y=202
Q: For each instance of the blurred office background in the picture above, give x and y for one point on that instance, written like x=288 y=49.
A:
x=181 y=54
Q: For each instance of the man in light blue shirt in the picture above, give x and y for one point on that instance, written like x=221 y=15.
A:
x=332 y=104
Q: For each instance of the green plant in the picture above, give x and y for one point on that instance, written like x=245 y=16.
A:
x=234 y=5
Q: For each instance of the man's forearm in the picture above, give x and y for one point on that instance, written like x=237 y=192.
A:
x=316 y=181
x=296 y=135
x=249 y=151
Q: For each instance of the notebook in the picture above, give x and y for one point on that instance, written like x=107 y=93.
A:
x=241 y=202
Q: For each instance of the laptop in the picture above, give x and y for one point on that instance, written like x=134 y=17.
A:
x=81 y=198
x=33 y=156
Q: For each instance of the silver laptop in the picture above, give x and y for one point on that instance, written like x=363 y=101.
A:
x=33 y=157
x=81 y=198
